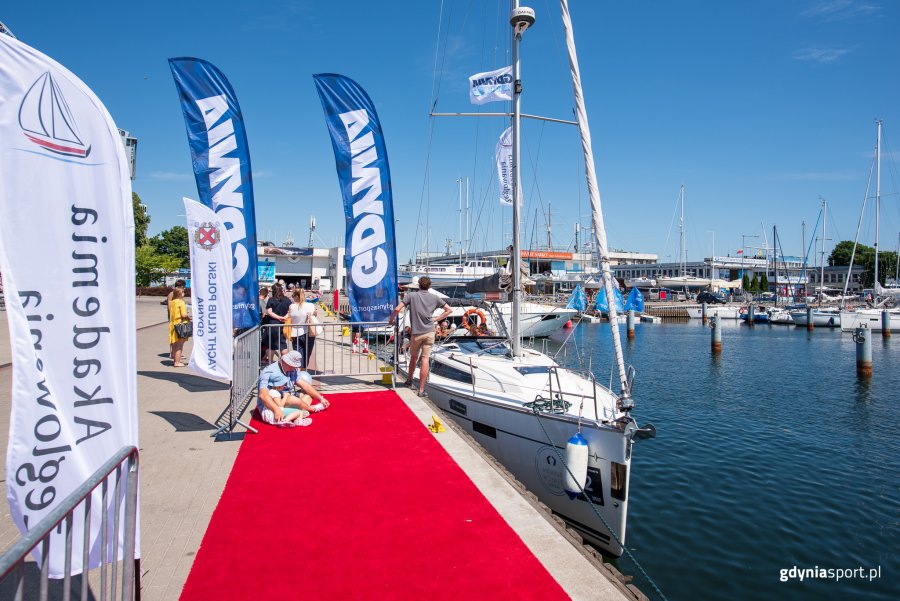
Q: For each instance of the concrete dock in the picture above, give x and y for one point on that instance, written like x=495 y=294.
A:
x=183 y=472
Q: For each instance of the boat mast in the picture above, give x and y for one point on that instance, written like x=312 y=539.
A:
x=775 y=259
x=597 y=214
x=822 y=266
x=877 y=198
x=459 y=216
x=682 y=257
x=520 y=19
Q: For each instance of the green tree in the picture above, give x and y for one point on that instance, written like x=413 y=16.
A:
x=745 y=283
x=149 y=264
x=764 y=283
x=141 y=220
x=865 y=258
x=173 y=242
x=754 y=284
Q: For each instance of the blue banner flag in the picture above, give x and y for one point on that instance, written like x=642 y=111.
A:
x=635 y=301
x=364 y=176
x=602 y=306
x=221 y=158
x=578 y=300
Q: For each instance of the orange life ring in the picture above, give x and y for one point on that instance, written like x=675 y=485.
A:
x=473 y=328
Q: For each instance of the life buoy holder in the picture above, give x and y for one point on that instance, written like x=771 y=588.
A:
x=473 y=328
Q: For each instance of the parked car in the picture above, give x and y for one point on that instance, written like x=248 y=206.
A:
x=711 y=298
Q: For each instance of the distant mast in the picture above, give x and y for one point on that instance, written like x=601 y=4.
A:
x=877 y=199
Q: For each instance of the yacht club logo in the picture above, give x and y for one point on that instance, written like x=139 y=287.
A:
x=47 y=120
x=207 y=236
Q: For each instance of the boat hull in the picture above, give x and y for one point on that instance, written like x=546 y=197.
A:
x=514 y=436
x=820 y=319
x=711 y=310
x=869 y=319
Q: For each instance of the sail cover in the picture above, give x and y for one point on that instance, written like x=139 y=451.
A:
x=362 y=166
x=221 y=159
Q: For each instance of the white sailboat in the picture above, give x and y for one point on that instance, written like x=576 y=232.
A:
x=683 y=281
x=871 y=318
x=522 y=406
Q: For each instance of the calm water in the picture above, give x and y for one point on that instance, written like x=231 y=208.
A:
x=771 y=456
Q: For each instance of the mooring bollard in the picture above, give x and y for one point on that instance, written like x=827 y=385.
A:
x=809 y=319
x=863 y=353
x=750 y=315
x=716 y=327
x=629 y=320
x=703 y=311
x=885 y=324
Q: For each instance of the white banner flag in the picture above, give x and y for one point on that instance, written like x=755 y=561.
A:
x=67 y=259
x=211 y=286
x=491 y=86
x=504 y=167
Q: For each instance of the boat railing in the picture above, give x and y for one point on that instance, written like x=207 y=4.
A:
x=553 y=374
x=472 y=369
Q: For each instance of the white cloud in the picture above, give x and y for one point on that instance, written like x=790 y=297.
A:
x=833 y=10
x=262 y=173
x=820 y=54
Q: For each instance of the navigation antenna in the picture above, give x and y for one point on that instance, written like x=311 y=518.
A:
x=312 y=229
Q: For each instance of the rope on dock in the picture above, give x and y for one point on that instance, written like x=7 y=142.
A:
x=656 y=588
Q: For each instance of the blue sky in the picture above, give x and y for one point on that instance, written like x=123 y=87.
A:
x=757 y=108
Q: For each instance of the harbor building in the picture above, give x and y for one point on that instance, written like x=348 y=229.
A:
x=309 y=267
x=833 y=279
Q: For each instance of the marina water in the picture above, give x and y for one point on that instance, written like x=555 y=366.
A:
x=769 y=456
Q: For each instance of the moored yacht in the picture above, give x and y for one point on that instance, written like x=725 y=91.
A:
x=520 y=404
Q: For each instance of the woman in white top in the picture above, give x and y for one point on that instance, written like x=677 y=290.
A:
x=300 y=312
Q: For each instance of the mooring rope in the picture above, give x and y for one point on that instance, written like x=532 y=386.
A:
x=536 y=411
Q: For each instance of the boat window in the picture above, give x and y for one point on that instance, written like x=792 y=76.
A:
x=451 y=373
x=618 y=485
x=533 y=369
x=549 y=316
x=490 y=346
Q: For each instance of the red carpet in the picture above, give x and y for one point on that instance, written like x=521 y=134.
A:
x=362 y=504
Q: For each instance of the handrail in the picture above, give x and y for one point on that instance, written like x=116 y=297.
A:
x=16 y=554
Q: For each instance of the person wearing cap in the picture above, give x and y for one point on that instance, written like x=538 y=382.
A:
x=279 y=401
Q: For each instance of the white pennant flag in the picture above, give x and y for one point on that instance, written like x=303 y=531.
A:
x=491 y=86
x=67 y=259
x=504 y=167
x=211 y=291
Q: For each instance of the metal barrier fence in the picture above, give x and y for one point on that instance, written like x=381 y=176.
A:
x=62 y=519
x=243 y=381
x=340 y=350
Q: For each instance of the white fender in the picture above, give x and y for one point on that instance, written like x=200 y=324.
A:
x=577 y=460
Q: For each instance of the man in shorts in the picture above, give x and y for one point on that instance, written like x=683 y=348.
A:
x=422 y=305
x=279 y=402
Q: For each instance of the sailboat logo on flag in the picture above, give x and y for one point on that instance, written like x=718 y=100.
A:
x=207 y=236
x=46 y=120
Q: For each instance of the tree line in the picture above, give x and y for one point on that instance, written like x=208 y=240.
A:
x=164 y=253
x=865 y=258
